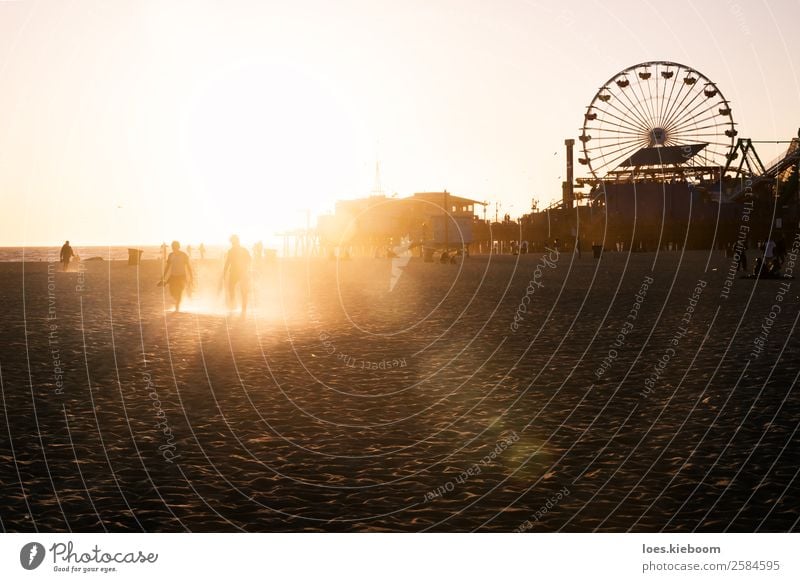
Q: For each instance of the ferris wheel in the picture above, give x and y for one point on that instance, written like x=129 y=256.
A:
x=659 y=116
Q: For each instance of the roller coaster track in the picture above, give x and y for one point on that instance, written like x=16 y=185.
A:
x=751 y=172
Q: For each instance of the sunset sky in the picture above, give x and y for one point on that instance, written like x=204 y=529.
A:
x=126 y=122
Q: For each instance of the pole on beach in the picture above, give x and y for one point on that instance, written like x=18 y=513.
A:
x=568 y=193
x=446 y=233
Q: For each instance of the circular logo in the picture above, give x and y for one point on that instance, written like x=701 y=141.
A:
x=31 y=555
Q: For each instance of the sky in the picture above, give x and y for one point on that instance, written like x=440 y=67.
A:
x=136 y=122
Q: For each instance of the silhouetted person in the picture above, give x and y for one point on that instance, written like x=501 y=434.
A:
x=189 y=251
x=202 y=249
x=66 y=255
x=237 y=268
x=780 y=250
x=163 y=252
x=769 y=250
x=758 y=267
x=742 y=264
x=180 y=273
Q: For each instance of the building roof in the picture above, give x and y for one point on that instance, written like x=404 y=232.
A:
x=664 y=155
x=439 y=196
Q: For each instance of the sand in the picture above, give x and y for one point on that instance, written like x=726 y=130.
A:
x=502 y=394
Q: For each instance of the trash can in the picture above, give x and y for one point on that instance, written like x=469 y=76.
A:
x=597 y=250
x=134 y=256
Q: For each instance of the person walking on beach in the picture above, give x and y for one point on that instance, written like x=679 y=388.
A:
x=769 y=249
x=202 y=250
x=163 y=252
x=780 y=251
x=237 y=269
x=741 y=265
x=66 y=255
x=180 y=273
x=769 y=253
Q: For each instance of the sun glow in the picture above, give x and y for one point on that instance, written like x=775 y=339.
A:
x=266 y=148
x=269 y=302
x=211 y=303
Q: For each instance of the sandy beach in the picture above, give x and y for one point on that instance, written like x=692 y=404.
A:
x=638 y=392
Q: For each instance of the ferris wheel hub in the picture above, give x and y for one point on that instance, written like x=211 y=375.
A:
x=658 y=136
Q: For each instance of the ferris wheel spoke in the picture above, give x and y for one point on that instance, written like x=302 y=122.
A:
x=616 y=145
x=669 y=100
x=608 y=149
x=641 y=118
x=630 y=110
x=696 y=123
x=686 y=112
x=679 y=99
x=720 y=148
x=644 y=123
x=619 y=155
x=678 y=112
x=697 y=132
x=653 y=100
x=698 y=110
x=606 y=142
x=725 y=146
x=702 y=126
x=693 y=124
x=663 y=102
x=644 y=105
x=623 y=124
x=698 y=102
x=622 y=121
x=613 y=164
x=611 y=155
x=674 y=92
x=701 y=137
x=709 y=146
x=693 y=127
x=622 y=131
x=652 y=90
x=673 y=96
x=632 y=122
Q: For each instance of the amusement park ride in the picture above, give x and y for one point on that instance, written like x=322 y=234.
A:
x=664 y=121
x=664 y=168
x=660 y=148
x=657 y=119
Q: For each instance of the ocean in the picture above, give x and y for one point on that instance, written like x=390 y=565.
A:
x=108 y=253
